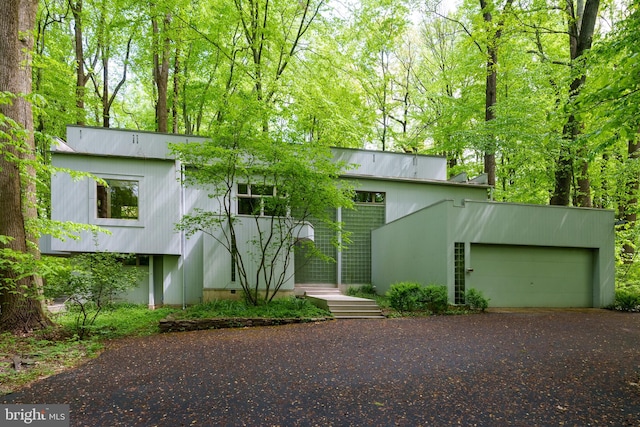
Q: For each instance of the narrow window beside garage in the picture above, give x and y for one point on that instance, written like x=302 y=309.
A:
x=459 y=285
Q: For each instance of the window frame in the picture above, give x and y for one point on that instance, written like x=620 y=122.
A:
x=372 y=197
x=124 y=222
x=249 y=193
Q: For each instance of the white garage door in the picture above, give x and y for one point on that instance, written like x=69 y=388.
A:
x=528 y=276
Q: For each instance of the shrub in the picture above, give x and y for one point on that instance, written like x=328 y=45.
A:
x=475 y=300
x=627 y=299
x=362 y=291
x=434 y=298
x=404 y=296
x=411 y=296
x=91 y=285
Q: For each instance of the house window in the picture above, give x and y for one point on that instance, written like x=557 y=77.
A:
x=118 y=199
x=369 y=197
x=459 y=273
x=260 y=200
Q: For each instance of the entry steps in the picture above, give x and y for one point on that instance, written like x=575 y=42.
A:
x=342 y=306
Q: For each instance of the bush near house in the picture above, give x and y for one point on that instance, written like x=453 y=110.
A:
x=627 y=299
x=476 y=300
x=90 y=283
x=363 y=291
x=411 y=296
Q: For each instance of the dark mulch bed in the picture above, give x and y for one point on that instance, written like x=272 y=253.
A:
x=520 y=368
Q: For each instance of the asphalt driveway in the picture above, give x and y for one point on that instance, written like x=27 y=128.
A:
x=533 y=368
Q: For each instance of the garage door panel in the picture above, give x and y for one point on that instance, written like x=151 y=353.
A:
x=525 y=276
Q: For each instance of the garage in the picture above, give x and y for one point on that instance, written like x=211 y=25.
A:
x=532 y=276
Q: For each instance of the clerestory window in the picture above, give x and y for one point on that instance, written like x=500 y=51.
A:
x=369 y=197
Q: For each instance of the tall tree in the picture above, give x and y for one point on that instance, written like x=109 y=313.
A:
x=82 y=77
x=21 y=309
x=161 y=45
x=279 y=188
x=581 y=23
x=108 y=29
x=494 y=34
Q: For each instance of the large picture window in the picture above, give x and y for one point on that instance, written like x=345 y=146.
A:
x=118 y=199
x=260 y=200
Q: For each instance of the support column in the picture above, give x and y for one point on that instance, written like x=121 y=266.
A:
x=339 y=252
x=152 y=302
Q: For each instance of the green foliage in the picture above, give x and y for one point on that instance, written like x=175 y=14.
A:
x=91 y=283
x=627 y=294
x=48 y=353
x=434 y=298
x=627 y=299
x=476 y=300
x=411 y=296
x=404 y=296
x=57 y=348
x=364 y=291
x=118 y=321
x=278 y=308
x=21 y=264
x=303 y=184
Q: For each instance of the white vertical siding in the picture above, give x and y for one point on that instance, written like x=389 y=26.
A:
x=159 y=198
x=392 y=165
x=217 y=264
x=124 y=142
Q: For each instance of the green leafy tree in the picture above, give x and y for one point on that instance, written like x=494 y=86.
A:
x=290 y=183
x=572 y=161
x=21 y=308
x=612 y=101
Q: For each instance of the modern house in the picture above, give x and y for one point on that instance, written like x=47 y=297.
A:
x=409 y=223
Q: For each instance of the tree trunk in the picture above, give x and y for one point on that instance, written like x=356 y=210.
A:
x=582 y=21
x=176 y=91
x=161 y=71
x=81 y=76
x=21 y=308
x=489 y=115
x=491 y=88
x=106 y=108
x=628 y=208
x=490 y=95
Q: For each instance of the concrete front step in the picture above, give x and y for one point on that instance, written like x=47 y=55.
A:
x=346 y=307
x=316 y=290
x=357 y=315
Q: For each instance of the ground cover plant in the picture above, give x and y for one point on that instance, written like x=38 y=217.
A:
x=627 y=298
x=50 y=351
x=278 y=309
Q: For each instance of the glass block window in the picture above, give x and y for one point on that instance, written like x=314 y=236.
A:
x=356 y=259
x=459 y=273
x=312 y=269
x=118 y=199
